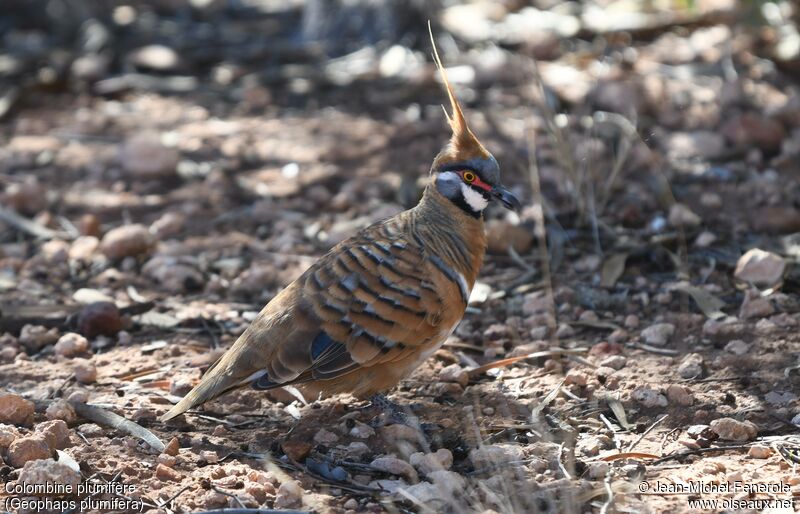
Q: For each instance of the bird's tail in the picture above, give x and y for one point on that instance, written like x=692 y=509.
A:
x=219 y=379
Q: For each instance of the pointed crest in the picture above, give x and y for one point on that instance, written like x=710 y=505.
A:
x=463 y=141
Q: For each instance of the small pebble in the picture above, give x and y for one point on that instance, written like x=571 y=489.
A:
x=759 y=452
x=16 y=410
x=731 y=429
x=61 y=409
x=290 y=494
x=85 y=371
x=167 y=474
x=71 y=345
x=26 y=449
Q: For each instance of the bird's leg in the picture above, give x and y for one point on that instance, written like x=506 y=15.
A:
x=394 y=412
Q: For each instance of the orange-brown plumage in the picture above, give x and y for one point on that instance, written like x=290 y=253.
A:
x=367 y=313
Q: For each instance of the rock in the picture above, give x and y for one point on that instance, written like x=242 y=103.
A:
x=71 y=344
x=576 y=377
x=755 y=306
x=167 y=474
x=737 y=347
x=702 y=434
x=155 y=58
x=691 y=366
x=55 y=432
x=85 y=371
x=99 y=318
x=780 y=399
x=759 y=451
x=351 y=504
x=614 y=361
x=535 y=303
x=731 y=429
x=180 y=386
x=144 y=155
x=702 y=144
x=167 y=460
x=325 y=437
x=395 y=466
x=388 y=486
x=48 y=472
x=85 y=296
x=173 y=275
x=565 y=331
x=55 y=251
x=28 y=198
x=426 y=463
x=8 y=433
x=168 y=225
x=61 y=409
x=760 y=268
x=597 y=470
x=679 y=395
x=172 y=447
x=79 y=396
x=36 y=337
x=705 y=239
x=681 y=216
x=89 y=225
x=83 y=249
x=398 y=432
x=775 y=220
x=720 y=329
x=127 y=241
x=290 y=494
x=297 y=450
x=658 y=334
x=711 y=200
x=209 y=456
x=361 y=431
x=259 y=491
x=454 y=373
x=449 y=481
x=753 y=130
x=631 y=321
x=501 y=234
x=26 y=449
x=496 y=454
x=649 y=397
x=16 y=410
x=357 y=449
x=497 y=332
x=618 y=336
x=425 y=493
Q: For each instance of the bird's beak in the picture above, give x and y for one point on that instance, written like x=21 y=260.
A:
x=507 y=197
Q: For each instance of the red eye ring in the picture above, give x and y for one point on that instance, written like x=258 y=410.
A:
x=468 y=177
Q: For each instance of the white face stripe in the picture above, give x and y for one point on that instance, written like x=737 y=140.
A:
x=474 y=199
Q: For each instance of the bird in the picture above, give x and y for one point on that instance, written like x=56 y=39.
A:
x=377 y=305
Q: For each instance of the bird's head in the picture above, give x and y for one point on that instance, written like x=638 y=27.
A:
x=465 y=172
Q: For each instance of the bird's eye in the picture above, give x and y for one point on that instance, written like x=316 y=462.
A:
x=468 y=177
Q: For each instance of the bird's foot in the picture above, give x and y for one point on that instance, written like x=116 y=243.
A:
x=396 y=414
x=392 y=413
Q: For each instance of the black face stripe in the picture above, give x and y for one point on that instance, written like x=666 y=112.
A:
x=462 y=204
